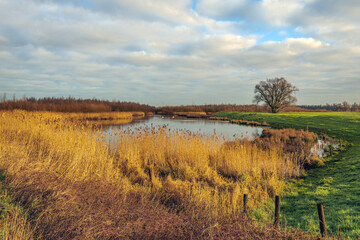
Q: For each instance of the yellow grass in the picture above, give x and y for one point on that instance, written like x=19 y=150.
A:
x=191 y=114
x=106 y=118
x=50 y=141
x=98 y=116
x=191 y=171
x=13 y=223
x=199 y=176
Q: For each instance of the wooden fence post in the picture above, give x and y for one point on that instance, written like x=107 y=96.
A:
x=277 y=211
x=322 y=219
x=246 y=197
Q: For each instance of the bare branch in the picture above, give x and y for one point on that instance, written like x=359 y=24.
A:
x=276 y=93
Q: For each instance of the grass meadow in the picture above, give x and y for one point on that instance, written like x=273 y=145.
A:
x=60 y=180
x=337 y=184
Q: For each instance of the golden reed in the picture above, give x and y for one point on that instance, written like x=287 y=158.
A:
x=202 y=177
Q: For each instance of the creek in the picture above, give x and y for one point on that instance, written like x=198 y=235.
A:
x=202 y=126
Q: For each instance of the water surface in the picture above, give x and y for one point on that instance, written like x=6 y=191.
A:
x=204 y=126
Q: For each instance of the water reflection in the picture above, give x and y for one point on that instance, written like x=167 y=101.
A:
x=203 y=126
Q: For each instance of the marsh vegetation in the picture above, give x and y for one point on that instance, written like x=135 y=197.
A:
x=157 y=184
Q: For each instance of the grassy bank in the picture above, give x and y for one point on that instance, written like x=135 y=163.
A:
x=13 y=218
x=156 y=185
x=337 y=184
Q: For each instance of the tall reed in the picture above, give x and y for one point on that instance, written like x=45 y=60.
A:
x=201 y=178
x=196 y=173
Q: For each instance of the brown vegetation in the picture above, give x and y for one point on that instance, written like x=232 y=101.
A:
x=223 y=108
x=297 y=143
x=156 y=184
x=245 y=122
x=72 y=105
x=336 y=107
x=211 y=108
x=96 y=106
x=105 y=118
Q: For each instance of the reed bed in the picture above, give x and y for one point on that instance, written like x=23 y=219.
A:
x=106 y=118
x=64 y=172
x=51 y=141
x=190 y=114
x=190 y=171
x=99 y=116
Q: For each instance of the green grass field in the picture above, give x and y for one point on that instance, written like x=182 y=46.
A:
x=337 y=184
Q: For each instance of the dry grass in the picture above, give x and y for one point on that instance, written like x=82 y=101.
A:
x=106 y=118
x=190 y=114
x=250 y=123
x=295 y=142
x=198 y=169
x=156 y=184
x=99 y=116
x=13 y=221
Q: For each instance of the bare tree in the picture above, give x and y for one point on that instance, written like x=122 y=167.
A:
x=355 y=107
x=346 y=106
x=276 y=93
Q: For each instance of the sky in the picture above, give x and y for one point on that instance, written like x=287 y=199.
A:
x=178 y=52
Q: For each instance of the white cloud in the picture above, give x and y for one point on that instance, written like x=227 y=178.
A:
x=162 y=51
x=304 y=43
x=278 y=12
x=221 y=9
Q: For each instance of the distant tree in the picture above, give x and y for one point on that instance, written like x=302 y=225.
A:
x=277 y=93
x=355 y=107
x=346 y=106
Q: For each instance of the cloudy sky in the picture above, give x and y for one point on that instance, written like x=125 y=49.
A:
x=172 y=52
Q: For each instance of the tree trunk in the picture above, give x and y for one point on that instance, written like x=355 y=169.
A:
x=274 y=110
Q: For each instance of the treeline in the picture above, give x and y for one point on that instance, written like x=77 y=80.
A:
x=336 y=107
x=212 y=108
x=340 y=107
x=223 y=108
x=71 y=104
